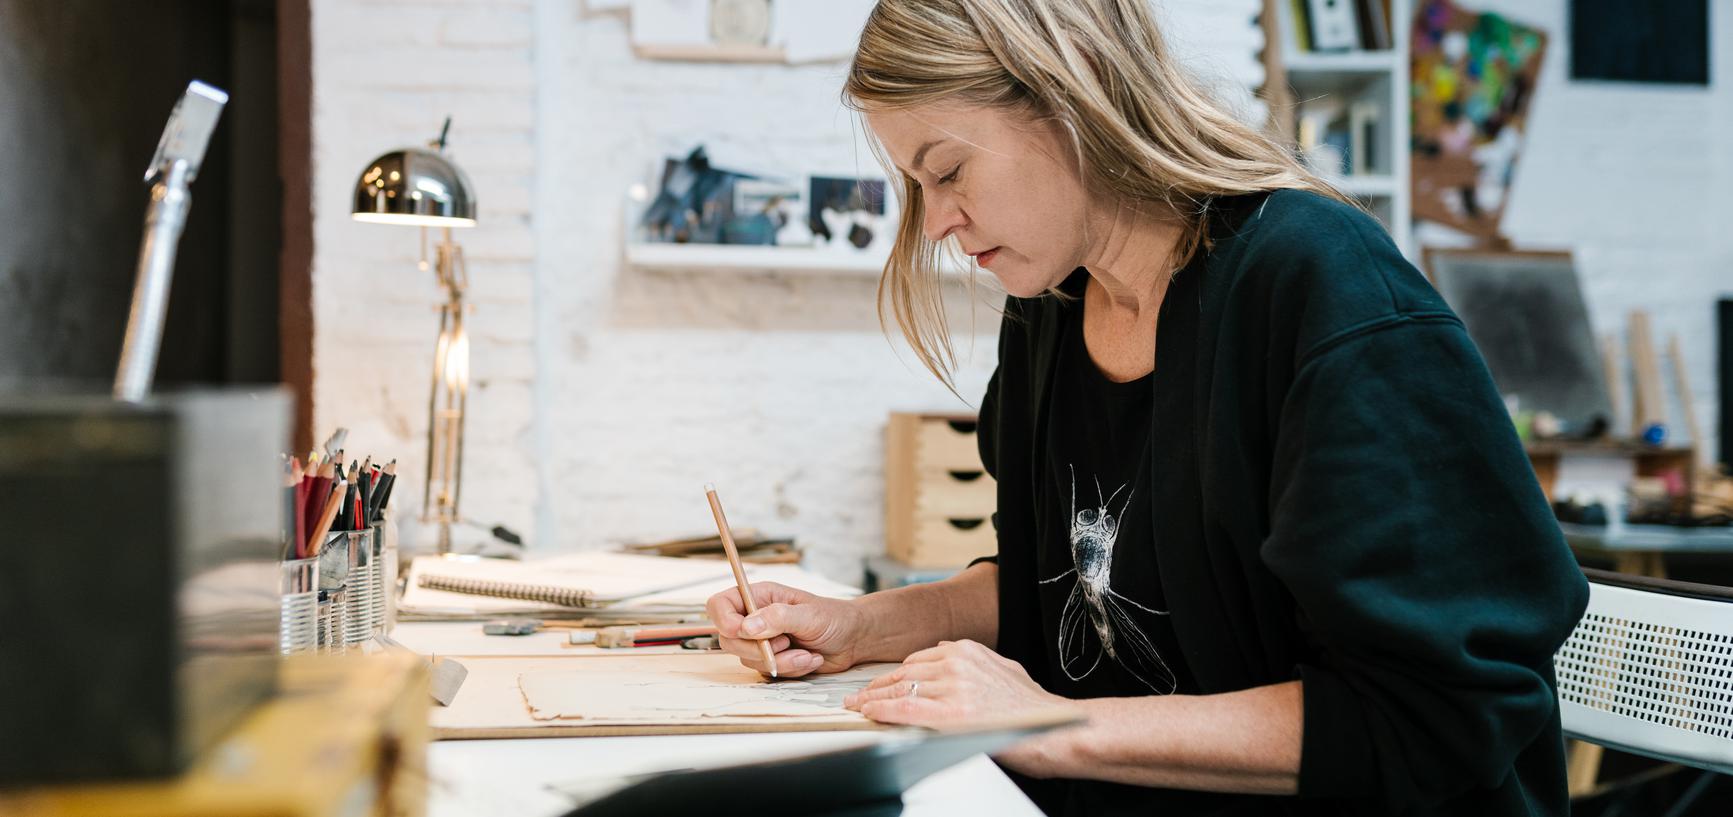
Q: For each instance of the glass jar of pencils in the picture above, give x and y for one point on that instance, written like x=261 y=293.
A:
x=298 y=631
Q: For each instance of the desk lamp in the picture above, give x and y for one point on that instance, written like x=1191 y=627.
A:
x=421 y=187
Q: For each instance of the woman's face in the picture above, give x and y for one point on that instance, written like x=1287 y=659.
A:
x=1007 y=189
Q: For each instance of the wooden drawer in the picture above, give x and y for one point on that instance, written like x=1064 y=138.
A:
x=955 y=493
x=937 y=541
x=946 y=443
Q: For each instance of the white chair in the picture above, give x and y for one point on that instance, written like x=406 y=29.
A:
x=1649 y=670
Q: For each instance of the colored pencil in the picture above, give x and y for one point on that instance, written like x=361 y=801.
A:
x=332 y=503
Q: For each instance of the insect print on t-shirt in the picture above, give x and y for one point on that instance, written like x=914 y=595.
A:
x=1094 y=609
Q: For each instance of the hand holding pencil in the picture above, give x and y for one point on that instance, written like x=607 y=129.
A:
x=778 y=630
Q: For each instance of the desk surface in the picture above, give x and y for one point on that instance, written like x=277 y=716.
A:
x=1648 y=538
x=489 y=778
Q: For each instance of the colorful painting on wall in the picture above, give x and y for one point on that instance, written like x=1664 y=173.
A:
x=1473 y=77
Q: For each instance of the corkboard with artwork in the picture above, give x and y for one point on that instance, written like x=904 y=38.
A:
x=1474 y=75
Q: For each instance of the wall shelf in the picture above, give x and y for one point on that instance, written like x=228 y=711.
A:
x=740 y=258
x=1365 y=186
x=734 y=258
x=1367 y=62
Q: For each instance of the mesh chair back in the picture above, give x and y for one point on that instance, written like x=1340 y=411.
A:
x=1649 y=670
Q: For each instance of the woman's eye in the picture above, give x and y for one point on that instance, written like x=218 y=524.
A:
x=951 y=176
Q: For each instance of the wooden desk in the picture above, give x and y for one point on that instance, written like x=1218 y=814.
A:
x=490 y=778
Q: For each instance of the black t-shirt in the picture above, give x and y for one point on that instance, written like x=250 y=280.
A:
x=1105 y=619
x=1106 y=624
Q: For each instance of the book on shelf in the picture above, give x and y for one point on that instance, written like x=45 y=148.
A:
x=1339 y=25
x=1340 y=140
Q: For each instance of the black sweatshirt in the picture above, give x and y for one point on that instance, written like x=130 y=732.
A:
x=1337 y=496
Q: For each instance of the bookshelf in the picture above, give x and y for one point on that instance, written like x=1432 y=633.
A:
x=1350 y=111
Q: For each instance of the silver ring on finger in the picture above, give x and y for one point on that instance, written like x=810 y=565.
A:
x=914 y=689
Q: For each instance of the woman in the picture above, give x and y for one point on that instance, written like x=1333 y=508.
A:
x=1261 y=516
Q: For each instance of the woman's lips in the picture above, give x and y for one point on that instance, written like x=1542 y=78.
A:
x=985 y=258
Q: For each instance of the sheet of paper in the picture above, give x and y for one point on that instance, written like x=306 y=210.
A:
x=686 y=694
x=670 y=22
x=491 y=703
x=817 y=30
x=793 y=576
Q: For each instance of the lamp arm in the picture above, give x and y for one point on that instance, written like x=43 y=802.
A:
x=170 y=200
x=171 y=173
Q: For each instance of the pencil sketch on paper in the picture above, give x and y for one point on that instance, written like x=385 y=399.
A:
x=1094 y=532
x=685 y=695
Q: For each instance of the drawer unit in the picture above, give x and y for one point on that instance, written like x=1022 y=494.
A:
x=939 y=500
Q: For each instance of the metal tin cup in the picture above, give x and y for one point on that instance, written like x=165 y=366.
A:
x=334 y=563
x=298 y=631
x=376 y=576
x=330 y=618
x=356 y=548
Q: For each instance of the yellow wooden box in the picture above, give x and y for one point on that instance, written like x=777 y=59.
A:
x=939 y=500
x=344 y=736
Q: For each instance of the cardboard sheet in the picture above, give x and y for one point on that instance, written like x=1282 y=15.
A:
x=493 y=702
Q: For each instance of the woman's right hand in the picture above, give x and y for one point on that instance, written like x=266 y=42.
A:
x=807 y=633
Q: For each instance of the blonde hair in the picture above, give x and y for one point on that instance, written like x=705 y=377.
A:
x=1143 y=129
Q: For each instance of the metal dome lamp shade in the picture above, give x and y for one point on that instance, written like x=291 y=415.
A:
x=421 y=187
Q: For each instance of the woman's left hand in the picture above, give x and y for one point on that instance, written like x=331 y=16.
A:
x=963 y=681
x=954 y=681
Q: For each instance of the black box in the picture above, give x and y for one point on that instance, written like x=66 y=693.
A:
x=138 y=578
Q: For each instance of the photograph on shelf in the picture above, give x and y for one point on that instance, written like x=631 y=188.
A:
x=768 y=212
x=848 y=211
x=693 y=202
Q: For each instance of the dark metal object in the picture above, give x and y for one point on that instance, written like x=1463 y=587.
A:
x=138 y=578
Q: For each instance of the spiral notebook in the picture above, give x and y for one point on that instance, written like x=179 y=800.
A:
x=590 y=584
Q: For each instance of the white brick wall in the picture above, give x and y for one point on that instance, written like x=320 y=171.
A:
x=605 y=397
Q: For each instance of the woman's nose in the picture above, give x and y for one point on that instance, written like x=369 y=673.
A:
x=943 y=217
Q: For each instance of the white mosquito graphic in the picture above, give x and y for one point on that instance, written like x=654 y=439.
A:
x=1093 y=534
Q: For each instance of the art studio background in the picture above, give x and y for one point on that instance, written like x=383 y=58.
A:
x=554 y=265
x=609 y=381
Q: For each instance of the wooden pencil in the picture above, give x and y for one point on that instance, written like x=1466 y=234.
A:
x=318 y=489
x=739 y=572
x=333 y=503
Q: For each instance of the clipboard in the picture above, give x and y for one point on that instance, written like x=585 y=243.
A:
x=858 y=781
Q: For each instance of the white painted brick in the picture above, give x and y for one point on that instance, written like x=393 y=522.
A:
x=487 y=27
